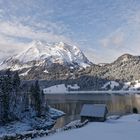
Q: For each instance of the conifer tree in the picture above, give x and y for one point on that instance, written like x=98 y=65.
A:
x=16 y=81
x=6 y=87
x=32 y=88
x=14 y=92
x=36 y=98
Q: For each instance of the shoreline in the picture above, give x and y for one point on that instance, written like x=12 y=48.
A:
x=25 y=126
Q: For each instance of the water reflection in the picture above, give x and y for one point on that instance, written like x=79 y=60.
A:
x=72 y=104
x=65 y=120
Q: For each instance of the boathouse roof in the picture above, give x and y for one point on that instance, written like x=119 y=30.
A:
x=93 y=110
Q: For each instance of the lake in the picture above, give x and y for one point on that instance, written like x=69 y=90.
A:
x=71 y=104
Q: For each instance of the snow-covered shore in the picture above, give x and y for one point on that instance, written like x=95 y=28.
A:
x=28 y=124
x=126 y=127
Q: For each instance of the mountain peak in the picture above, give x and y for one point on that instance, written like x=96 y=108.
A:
x=35 y=50
x=46 y=54
x=62 y=44
x=36 y=43
x=125 y=57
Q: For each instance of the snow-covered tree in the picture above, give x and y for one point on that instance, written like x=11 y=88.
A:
x=36 y=97
x=16 y=102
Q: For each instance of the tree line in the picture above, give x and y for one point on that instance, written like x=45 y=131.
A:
x=15 y=103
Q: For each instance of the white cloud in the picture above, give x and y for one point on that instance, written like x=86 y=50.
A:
x=9 y=46
x=24 y=31
x=105 y=42
x=115 y=39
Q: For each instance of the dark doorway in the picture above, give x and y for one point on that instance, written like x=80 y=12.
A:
x=135 y=110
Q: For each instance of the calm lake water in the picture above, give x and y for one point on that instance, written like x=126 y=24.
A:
x=72 y=104
x=64 y=120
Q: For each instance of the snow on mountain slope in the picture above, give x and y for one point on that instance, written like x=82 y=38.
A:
x=41 y=53
x=113 y=85
x=61 y=88
x=110 y=85
x=134 y=85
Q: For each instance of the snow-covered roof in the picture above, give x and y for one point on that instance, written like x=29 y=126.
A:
x=93 y=110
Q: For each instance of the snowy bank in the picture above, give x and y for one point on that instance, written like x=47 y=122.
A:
x=40 y=133
x=30 y=124
x=126 y=127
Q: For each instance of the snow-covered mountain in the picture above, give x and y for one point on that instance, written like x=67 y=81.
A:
x=44 y=55
x=60 y=61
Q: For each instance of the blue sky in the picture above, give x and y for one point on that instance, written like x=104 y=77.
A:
x=103 y=29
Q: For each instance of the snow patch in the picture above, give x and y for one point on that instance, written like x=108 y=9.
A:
x=25 y=73
x=61 y=88
x=45 y=71
x=19 y=67
x=84 y=65
x=111 y=84
x=134 y=85
x=54 y=113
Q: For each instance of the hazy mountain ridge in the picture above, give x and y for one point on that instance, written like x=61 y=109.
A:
x=125 y=68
